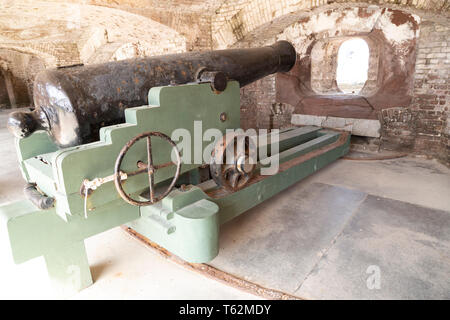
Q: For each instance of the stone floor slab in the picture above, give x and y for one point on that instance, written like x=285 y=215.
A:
x=407 y=246
x=277 y=243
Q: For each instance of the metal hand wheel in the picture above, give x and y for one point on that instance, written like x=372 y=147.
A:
x=149 y=167
x=233 y=161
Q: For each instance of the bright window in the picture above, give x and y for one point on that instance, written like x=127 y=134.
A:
x=353 y=64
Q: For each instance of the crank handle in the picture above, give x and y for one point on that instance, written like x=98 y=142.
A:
x=87 y=186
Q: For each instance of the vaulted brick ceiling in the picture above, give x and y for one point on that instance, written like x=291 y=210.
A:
x=211 y=6
x=197 y=6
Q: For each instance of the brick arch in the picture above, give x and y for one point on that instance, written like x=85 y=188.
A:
x=256 y=21
x=19 y=66
x=48 y=35
x=324 y=62
x=73 y=32
x=392 y=32
x=48 y=59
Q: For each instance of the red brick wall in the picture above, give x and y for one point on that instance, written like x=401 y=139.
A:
x=256 y=102
x=432 y=91
x=421 y=127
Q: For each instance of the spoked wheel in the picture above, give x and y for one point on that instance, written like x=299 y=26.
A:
x=149 y=167
x=233 y=161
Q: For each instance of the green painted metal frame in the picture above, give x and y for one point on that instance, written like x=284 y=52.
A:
x=59 y=173
x=166 y=223
x=186 y=222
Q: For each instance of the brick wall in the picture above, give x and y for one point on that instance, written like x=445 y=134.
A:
x=431 y=101
x=398 y=128
x=421 y=126
x=257 y=99
x=324 y=58
x=225 y=12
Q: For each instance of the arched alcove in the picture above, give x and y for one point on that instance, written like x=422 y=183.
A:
x=4 y=99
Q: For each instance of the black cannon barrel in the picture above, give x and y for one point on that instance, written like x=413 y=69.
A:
x=74 y=103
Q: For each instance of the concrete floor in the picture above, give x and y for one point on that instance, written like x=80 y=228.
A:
x=326 y=237
x=321 y=241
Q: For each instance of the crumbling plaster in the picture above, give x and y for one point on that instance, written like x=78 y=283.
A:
x=257 y=20
x=393 y=84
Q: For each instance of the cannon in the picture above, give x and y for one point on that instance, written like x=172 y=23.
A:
x=110 y=145
x=74 y=103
